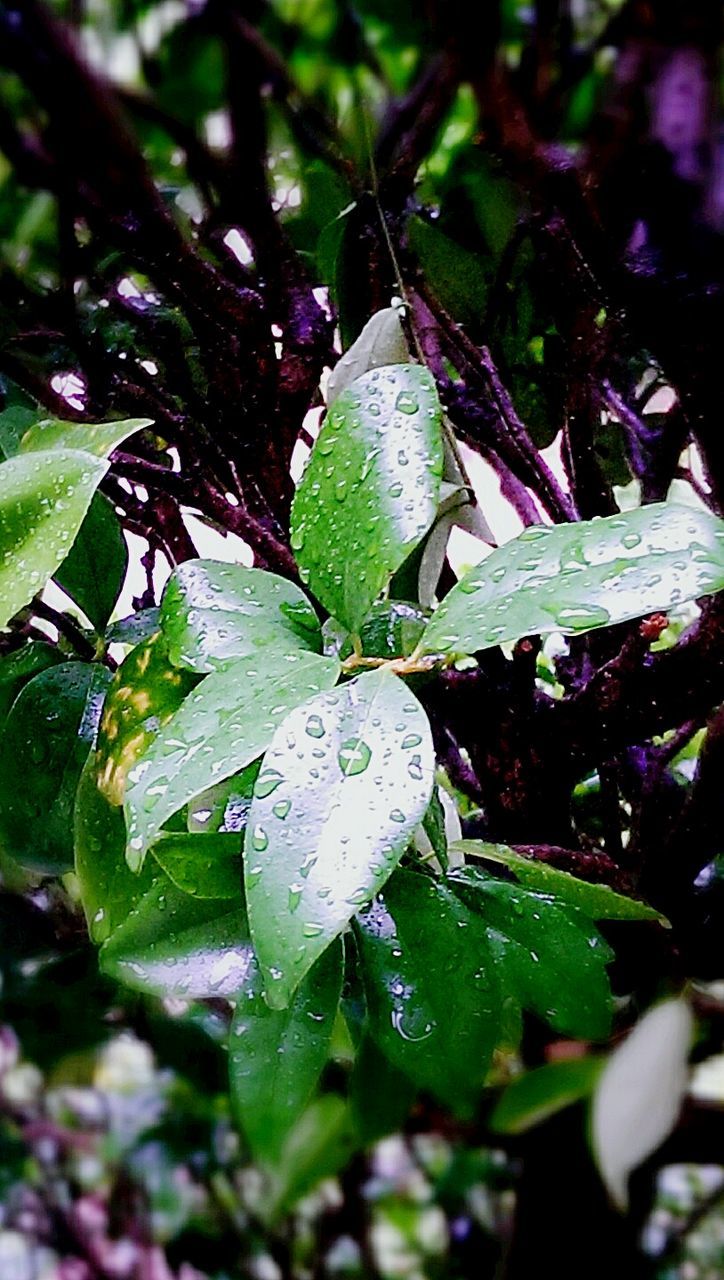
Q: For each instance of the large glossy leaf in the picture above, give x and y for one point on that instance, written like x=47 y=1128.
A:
x=550 y=960
x=93 y=571
x=212 y=613
x=370 y=489
x=538 y=1094
x=206 y=866
x=576 y=577
x=219 y=729
x=145 y=692
x=43 y=746
x=342 y=787
x=597 y=901
x=432 y=987
x=276 y=1056
x=100 y=438
x=43 y=500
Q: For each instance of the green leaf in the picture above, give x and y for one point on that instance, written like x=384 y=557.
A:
x=135 y=628
x=276 y=1056
x=576 y=577
x=342 y=787
x=597 y=901
x=18 y=667
x=205 y=866
x=370 y=489
x=320 y=1144
x=100 y=438
x=220 y=728
x=43 y=745
x=43 y=501
x=174 y=945
x=552 y=960
x=382 y=341
x=93 y=571
x=541 y=1093
x=226 y=805
x=213 y=613
x=380 y=1095
x=145 y=692
x=432 y=988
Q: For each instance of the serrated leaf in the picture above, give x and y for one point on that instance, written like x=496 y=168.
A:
x=640 y=1093
x=276 y=1056
x=343 y=785
x=382 y=341
x=370 y=488
x=99 y=438
x=214 y=613
x=597 y=901
x=553 y=962
x=93 y=571
x=539 y=1094
x=218 y=730
x=43 y=500
x=204 y=866
x=432 y=990
x=574 y=578
x=43 y=746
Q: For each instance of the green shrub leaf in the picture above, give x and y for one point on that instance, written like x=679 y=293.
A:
x=93 y=571
x=98 y=438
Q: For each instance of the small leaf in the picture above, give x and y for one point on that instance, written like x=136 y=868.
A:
x=342 y=787
x=319 y=1145
x=276 y=1056
x=226 y=805
x=135 y=628
x=597 y=901
x=18 y=667
x=43 y=745
x=43 y=500
x=369 y=491
x=100 y=438
x=205 y=866
x=640 y=1092
x=552 y=961
x=537 y=1095
x=431 y=985
x=382 y=341
x=93 y=571
x=219 y=729
x=213 y=613
x=573 y=578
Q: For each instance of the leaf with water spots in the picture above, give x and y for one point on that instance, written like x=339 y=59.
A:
x=43 y=500
x=98 y=438
x=574 y=578
x=276 y=1055
x=93 y=571
x=382 y=341
x=597 y=901
x=219 y=729
x=213 y=613
x=206 y=865
x=550 y=958
x=346 y=780
x=43 y=745
x=370 y=488
x=432 y=987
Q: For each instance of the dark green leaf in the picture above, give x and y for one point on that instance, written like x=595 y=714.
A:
x=342 y=787
x=43 y=745
x=93 y=571
x=21 y=665
x=538 y=1094
x=99 y=439
x=276 y=1056
x=220 y=728
x=226 y=805
x=135 y=628
x=43 y=501
x=380 y=1095
x=432 y=987
x=206 y=866
x=576 y=577
x=370 y=488
x=213 y=613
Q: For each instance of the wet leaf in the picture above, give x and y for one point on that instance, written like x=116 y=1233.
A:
x=218 y=730
x=226 y=805
x=346 y=780
x=213 y=613
x=93 y=571
x=432 y=988
x=370 y=489
x=382 y=341
x=43 y=500
x=276 y=1056
x=99 y=439
x=540 y=1093
x=550 y=958
x=576 y=577
x=43 y=746
x=18 y=667
x=205 y=866
x=135 y=628
x=597 y=901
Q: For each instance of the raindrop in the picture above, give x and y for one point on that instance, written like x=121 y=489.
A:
x=407 y=403
x=353 y=757
x=260 y=839
x=267 y=782
x=281 y=808
x=314 y=726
